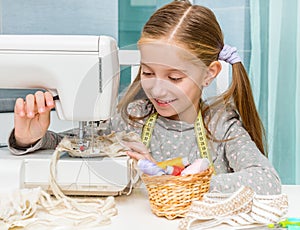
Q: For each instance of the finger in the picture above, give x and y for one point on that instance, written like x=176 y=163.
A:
x=49 y=100
x=135 y=155
x=138 y=156
x=150 y=158
x=19 y=107
x=137 y=147
x=30 y=105
x=40 y=101
x=49 y=104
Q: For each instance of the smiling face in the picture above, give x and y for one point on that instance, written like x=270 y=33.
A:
x=172 y=79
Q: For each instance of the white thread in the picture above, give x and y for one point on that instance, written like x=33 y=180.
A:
x=36 y=209
x=109 y=145
x=179 y=23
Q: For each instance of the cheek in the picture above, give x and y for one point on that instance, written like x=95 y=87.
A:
x=191 y=92
x=147 y=84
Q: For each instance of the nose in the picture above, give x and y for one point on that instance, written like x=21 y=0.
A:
x=156 y=87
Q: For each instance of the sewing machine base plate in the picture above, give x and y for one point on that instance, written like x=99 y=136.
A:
x=99 y=176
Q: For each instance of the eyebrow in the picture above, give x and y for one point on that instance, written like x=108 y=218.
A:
x=173 y=69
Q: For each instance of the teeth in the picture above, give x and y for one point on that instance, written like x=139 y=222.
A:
x=164 y=102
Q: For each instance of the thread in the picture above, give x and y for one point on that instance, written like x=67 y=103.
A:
x=150 y=168
x=197 y=166
x=178 y=161
x=174 y=170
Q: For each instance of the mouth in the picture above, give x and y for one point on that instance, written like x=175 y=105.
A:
x=163 y=102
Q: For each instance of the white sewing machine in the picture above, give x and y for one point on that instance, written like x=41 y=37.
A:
x=83 y=72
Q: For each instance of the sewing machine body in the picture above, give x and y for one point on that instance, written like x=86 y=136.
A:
x=84 y=72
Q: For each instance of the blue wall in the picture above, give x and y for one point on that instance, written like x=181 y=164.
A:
x=60 y=17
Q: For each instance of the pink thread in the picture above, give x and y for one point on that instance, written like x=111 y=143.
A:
x=197 y=166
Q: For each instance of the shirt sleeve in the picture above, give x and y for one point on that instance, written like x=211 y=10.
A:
x=247 y=166
x=49 y=141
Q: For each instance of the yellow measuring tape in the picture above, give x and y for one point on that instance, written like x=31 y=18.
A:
x=148 y=129
x=199 y=131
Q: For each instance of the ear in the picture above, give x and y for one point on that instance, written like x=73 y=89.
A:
x=213 y=70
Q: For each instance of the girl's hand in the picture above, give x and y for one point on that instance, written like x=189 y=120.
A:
x=138 y=151
x=32 y=117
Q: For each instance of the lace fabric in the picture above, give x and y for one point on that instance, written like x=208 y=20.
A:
x=239 y=209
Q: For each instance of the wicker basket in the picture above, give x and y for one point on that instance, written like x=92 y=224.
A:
x=171 y=196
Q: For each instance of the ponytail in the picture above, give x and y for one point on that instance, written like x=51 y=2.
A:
x=240 y=91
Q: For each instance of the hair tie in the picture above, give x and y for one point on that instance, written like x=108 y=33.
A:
x=229 y=54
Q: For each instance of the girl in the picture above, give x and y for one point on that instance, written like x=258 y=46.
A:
x=180 y=47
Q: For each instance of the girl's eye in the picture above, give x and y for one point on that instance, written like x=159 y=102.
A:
x=175 y=78
x=147 y=73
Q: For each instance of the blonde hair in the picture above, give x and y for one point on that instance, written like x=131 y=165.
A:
x=196 y=29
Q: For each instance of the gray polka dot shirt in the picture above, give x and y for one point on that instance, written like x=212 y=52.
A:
x=237 y=161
